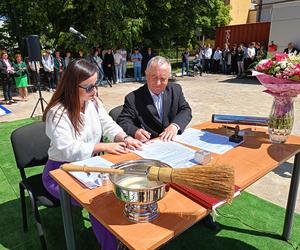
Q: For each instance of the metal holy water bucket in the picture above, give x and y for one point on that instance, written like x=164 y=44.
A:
x=139 y=194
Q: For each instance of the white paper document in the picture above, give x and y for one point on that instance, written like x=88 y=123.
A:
x=211 y=142
x=172 y=153
x=93 y=179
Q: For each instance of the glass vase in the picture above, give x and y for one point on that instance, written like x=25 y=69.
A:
x=281 y=119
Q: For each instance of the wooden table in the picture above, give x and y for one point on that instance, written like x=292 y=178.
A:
x=252 y=160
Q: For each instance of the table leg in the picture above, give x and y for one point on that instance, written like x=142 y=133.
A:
x=65 y=201
x=290 y=208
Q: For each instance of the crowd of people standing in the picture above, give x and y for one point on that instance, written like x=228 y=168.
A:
x=111 y=68
x=234 y=60
x=112 y=65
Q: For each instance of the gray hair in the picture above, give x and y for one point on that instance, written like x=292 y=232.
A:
x=159 y=60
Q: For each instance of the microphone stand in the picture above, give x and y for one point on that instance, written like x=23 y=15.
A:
x=41 y=98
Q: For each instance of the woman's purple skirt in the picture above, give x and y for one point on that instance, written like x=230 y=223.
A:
x=106 y=239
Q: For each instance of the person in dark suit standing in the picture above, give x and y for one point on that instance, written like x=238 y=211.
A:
x=108 y=63
x=158 y=108
x=291 y=49
x=6 y=75
x=146 y=58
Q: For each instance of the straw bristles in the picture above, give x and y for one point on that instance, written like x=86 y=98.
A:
x=214 y=180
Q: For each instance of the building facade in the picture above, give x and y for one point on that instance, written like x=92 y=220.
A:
x=242 y=11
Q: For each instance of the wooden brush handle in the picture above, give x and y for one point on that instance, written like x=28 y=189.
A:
x=160 y=174
x=71 y=167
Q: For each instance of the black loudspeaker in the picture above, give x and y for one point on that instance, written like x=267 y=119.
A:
x=32 y=48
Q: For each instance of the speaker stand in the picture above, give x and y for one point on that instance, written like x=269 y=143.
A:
x=41 y=99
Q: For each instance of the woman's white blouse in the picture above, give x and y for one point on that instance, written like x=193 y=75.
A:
x=65 y=145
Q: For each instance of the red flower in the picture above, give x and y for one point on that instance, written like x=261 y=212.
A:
x=280 y=56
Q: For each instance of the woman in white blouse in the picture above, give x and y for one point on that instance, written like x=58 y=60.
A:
x=75 y=123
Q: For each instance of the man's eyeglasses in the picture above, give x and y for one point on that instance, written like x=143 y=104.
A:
x=89 y=88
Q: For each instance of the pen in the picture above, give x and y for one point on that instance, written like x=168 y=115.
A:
x=145 y=129
x=228 y=127
x=149 y=134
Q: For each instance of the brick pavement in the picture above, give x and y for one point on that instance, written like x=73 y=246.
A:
x=207 y=95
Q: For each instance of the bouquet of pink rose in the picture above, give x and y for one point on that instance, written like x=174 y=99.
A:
x=281 y=77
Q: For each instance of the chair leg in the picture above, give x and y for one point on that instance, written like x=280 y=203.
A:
x=38 y=221
x=23 y=207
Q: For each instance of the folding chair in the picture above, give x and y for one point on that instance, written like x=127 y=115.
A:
x=115 y=112
x=30 y=145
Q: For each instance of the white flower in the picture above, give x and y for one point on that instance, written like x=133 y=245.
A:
x=277 y=69
x=282 y=64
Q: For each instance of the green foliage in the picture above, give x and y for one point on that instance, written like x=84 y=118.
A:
x=175 y=22
x=156 y=23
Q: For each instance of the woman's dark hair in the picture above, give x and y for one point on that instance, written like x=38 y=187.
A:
x=67 y=92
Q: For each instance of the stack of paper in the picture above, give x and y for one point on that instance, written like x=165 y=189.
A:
x=211 y=142
x=172 y=153
x=93 y=179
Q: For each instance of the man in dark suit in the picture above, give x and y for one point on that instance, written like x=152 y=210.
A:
x=290 y=49
x=6 y=76
x=158 y=108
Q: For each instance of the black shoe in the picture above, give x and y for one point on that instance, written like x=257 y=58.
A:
x=211 y=224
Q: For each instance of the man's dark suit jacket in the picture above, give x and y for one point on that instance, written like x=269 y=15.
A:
x=139 y=111
x=3 y=70
x=292 y=51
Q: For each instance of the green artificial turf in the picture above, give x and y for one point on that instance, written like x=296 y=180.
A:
x=248 y=223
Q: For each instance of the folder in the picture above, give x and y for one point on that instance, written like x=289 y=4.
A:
x=203 y=199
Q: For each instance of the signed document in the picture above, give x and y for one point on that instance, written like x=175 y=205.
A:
x=93 y=179
x=211 y=142
x=172 y=153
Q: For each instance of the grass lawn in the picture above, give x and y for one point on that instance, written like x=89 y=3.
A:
x=248 y=223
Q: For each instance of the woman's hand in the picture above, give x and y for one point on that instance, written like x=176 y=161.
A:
x=132 y=143
x=116 y=148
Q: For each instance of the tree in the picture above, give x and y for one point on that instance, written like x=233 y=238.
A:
x=111 y=23
x=175 y=22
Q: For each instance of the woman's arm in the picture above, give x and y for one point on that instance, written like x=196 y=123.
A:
x=113 y=131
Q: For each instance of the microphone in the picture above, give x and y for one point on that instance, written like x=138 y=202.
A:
x=76 y=32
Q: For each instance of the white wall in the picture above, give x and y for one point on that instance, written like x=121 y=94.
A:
x=285 y=24
x=266 y=13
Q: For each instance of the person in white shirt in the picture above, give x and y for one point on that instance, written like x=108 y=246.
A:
x=118 y=65
x=124 y=62
x=48 y=64
x=207 y=58
x=217 y=57
x=68 y=58
x=75 y=123
x=250 y=56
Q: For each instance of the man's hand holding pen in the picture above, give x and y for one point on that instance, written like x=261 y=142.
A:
x=142 y=135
